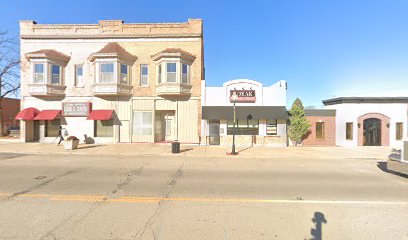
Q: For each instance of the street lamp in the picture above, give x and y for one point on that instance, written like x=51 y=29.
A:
x=234 y=99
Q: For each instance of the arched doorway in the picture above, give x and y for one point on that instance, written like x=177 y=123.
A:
x=372 y=132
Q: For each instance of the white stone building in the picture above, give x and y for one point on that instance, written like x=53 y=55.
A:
x=370 y=121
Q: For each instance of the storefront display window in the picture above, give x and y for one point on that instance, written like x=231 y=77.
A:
x=104 y=128
x=243 y=127
x=52 y=127
x=142 y=123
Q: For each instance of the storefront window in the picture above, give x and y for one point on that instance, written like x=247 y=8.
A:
x=142 y=123
x=52 y=127
x=243 y=127
x=271 y=127
x=104 y=128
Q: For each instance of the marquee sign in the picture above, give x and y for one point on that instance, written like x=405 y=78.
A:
x=244 y=96
x=76 y=109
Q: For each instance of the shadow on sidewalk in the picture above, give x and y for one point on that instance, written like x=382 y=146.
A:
x=186 y=150
x=85 y=147
x=244 y=149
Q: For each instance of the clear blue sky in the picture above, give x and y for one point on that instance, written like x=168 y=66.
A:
x=322 y=48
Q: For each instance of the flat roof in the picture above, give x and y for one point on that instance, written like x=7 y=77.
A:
x=320 y=112
x=340 y=100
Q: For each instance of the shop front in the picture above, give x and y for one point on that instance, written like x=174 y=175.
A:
x=260 y=114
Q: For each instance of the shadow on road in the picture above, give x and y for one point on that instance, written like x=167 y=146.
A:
x=383 y=167
x=317 y=232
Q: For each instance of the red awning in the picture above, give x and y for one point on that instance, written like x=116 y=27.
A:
x=100 y=115
x=47 y=115
x=27 y=114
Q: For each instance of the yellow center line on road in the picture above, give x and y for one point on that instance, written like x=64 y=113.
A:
x=136 y=199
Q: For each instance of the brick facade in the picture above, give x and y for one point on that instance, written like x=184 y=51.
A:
x=10 y=108
x=329 y=131
x=385 y=131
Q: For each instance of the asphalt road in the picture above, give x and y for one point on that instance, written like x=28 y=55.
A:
x=108 y=197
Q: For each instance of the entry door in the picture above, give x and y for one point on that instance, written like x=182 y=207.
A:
x=124 y=135
x=36 y=136
x=372 y=132
x=214 y=132
x=168 y=127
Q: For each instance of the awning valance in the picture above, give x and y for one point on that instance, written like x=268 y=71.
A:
x=242 y=112
x=100 y=115
x=27 y=114
x=47 y=115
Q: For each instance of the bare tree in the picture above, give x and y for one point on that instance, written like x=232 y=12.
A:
x=9 y=71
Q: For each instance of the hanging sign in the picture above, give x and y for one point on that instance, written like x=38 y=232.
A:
x=244 y=96
x=76 y=109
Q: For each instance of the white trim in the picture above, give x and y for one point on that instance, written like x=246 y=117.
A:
x=195 y=39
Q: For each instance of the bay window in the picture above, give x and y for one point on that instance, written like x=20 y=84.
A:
x=185 y=73
x=171 y=72
x=38 y=73
x=55 y=74
x=124 y=73
x=106 y=73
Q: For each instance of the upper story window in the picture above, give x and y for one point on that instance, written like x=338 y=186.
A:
x=38 y=73
x=185 y=73
x=144 y=75
x=176 y=64
x=47 y=66
x=55 y=74
x=171 y=72
x=106 y=73
x=124 y=73
x=113 y=64
x=79 y=75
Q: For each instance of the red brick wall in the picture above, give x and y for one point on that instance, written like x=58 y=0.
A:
x=10 y=108
x=329 y=131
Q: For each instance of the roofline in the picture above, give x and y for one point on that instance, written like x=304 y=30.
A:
x=340 y=100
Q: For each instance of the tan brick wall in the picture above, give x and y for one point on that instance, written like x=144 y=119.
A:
x=329 y=131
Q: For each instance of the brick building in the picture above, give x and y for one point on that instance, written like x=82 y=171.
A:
x=10 y=107
x=112 y=81
x=323 y=127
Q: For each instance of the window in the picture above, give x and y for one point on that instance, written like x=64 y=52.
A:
x=159 y=74
x=142 y=123
x=271 y=127
x=144 y=75
x=320 y=130
x=349 y=131
x=185 y=74
x=38 y=73
x=79 y=82
x=398 y=131
x=106 y=73
x=103 y=128
x=243 y=127
x=171 y=72
x=124 y=73
x=55 y=74
x=52 y=127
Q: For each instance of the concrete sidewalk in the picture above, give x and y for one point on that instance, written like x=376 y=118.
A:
x=138 y=149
